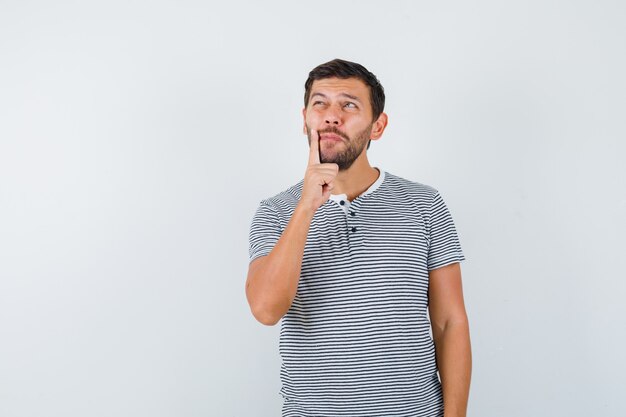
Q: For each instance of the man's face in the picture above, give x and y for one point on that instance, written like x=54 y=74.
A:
x=340 y=110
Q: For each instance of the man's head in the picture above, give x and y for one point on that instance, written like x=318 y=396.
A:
x=338 y=68
x=343 y=100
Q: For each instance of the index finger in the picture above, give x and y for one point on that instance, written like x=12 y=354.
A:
x=314 y=149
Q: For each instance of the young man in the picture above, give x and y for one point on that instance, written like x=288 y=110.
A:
x=353 y=259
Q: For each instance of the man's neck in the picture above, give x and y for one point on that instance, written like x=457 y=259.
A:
x=357 y=179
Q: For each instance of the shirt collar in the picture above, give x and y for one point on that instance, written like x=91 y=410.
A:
x=371 y=188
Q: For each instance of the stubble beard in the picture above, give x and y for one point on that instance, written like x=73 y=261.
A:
x=354 y=147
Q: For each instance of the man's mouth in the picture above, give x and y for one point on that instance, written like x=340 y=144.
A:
x=331 y=136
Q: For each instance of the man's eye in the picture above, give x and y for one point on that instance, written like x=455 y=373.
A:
x=318 y=102
x=350 y=104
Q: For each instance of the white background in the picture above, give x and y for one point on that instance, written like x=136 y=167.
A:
x=138 y=137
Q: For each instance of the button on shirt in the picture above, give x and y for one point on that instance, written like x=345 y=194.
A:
x=356 y=341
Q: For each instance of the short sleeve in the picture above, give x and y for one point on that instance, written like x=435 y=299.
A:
x=445 y=247
x=264 y=231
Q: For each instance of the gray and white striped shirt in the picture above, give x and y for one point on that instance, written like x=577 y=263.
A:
x=356 y=339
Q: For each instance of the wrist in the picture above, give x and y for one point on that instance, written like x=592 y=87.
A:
x=304 y=210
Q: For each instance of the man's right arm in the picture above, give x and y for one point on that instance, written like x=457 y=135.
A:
x=273 y=279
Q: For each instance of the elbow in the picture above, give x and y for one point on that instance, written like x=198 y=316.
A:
x=452 y=325
x=265 y=311
x=268 y=320
x=266 y=317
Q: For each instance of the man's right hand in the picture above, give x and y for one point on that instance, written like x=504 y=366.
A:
x=273 y=279
x=318 y=178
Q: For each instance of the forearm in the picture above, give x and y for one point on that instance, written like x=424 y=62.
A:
x=272 y=287
x=454 y=360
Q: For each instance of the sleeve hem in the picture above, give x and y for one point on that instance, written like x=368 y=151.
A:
x=448 y=260
x=258 y=255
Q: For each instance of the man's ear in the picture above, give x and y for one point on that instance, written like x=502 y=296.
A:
x=304 y=120
x=379 y=126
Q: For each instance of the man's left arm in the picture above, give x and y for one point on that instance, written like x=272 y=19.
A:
x=451 y=336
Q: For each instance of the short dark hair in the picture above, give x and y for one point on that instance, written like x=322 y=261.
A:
x=346 y=69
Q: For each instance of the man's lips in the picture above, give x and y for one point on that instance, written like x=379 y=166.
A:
x=331 y=136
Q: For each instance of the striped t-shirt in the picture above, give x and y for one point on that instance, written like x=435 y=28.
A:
x=356 y=340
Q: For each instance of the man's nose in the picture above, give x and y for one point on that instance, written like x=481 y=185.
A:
x=333 y=116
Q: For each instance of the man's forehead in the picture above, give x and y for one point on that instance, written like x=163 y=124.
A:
x=353 y=86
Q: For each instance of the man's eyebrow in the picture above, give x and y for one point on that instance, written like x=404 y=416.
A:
x=350 y=96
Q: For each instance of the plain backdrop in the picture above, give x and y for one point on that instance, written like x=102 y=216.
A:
x=138 y=137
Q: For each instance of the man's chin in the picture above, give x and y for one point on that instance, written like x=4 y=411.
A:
x=343 y=165
x=328 y=157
